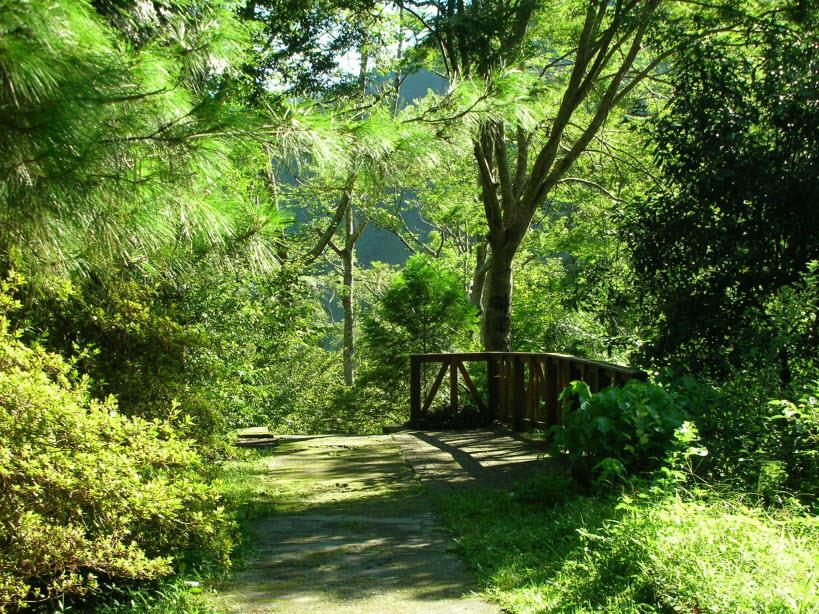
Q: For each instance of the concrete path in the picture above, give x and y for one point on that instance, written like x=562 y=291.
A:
x=352 y=533
x=486 y=458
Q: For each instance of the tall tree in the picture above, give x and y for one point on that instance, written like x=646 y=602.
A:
x=597 y=54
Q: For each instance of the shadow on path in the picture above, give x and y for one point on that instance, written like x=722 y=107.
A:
x=488 y=458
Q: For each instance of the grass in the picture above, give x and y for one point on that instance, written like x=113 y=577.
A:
x=544 y=548
x=176 y=596
x=547 y=548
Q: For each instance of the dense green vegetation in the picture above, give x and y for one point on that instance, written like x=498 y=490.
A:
x=187 y=190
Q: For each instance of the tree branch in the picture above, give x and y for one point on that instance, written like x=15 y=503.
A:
x=326 y=236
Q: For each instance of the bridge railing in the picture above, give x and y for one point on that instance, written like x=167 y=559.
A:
x=522 y=388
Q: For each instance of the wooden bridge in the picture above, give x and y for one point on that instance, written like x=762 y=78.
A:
x=522 y=389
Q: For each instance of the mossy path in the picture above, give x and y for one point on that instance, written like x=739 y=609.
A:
x=343 y=526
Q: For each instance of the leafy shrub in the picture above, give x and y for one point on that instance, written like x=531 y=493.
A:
x=87 y=494
x=564 y=552
x=795 y=438
x=762 y=445
x=141 y=349
x=717 y=556
x=621 y=430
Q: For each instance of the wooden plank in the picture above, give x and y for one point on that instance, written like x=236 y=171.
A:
x=415 y=388
x=435 y=385
x=506 y=380
x=519 y=394
x=482 y=356
x=493 y=385
x=446 y=357
x=552 y=390
x=470 y=385
x=531 y=390
x=563 y=381
x=599 y=363
x=544 y=392
x=538 y=386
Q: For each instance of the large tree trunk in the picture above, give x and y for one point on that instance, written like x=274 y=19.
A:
x=514 y=185
x=496 y=326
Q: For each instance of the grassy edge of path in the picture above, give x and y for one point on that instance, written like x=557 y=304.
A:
x=546 y=548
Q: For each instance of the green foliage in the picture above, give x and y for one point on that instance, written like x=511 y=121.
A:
x=264 y=361
x=424 y=310
x=119 y=142
x=87 y=494
x=755 y=444
x=733 y=222
x=793 y=443
x=177 y=596
x=620 y=431
x=143 y=350
x=299 y=43
x=543 y=321
x=581 y=554
x=786 y=326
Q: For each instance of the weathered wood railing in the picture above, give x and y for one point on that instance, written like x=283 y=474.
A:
x=522 y=388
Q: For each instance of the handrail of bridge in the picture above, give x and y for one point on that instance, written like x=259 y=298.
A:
x=522 y=388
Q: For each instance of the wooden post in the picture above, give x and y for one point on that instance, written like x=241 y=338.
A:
x=552 y=382
x=453 y=386
x=493 y=386
x=529 y=414
x=415 y=388
x=518 y=392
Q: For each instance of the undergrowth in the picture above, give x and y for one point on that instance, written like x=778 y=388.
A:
x=247 y=495
x=547 y=548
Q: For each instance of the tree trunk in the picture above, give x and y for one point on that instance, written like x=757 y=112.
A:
x=478 y=278
x=347 y=302
x=496 y=326
x=785 y=375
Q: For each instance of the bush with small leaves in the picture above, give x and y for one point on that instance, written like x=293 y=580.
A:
x=88 y=495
